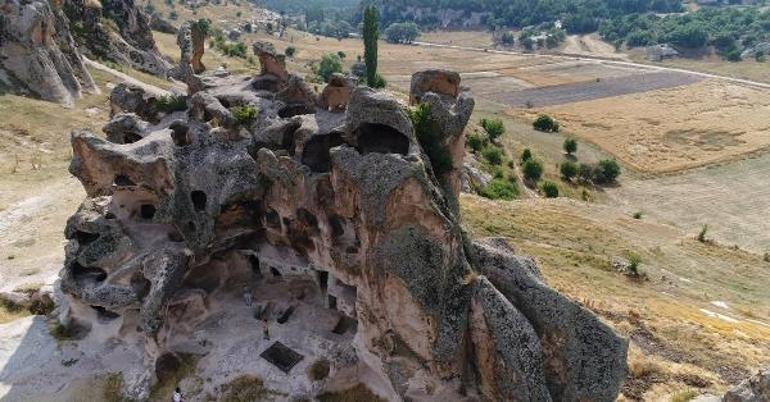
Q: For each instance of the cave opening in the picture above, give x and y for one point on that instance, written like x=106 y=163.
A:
x=295 y=109
x=103 y=315
x=122 y=180
x=180 y=133
x=379 y=138
x=85 y=238
x=130 y=138
x=199 y=200
x=316 y=152
x=147 y=211
x=88 y=275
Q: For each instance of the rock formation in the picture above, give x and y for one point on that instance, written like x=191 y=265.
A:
x=115 y=30
x=753 y=389
x=297 y=237
x=38 y=57
x=336 y=95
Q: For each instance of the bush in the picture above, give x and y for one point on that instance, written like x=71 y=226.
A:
x=526 y=155
x=634 y=261
x=570 y=146
x=244 y=114
x=533 y=170
x=759 y=56
x=550 y=189
x=500 y=189
x=637 y=215
x=546 y=124
x=494 y=128
x=429 y=136
x=379 y=81
x=476 y=142
x=585 y=172
x=607 y=172
x=493 y=154
x=342 y=54
x=568 y=170
x=330 y=64
x=702 y=234
x=291 y=51
x=734 y=55
x=171 y=103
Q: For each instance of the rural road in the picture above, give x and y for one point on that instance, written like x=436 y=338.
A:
x=598 y=60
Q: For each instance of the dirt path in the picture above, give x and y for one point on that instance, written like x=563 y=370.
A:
x=126 y=78
x=598 y=60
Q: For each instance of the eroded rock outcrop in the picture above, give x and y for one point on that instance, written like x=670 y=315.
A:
x=115 y=30
x=270 y=243
x=336 y=95
x=38 y=56
x=753 y=389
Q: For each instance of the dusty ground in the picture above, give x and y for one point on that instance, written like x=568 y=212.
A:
x=591 y=45
x=672 y=129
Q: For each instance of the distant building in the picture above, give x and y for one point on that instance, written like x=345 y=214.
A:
x=660 y=52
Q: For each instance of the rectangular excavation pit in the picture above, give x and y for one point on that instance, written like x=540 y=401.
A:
x=345 y=324
x=282 y=357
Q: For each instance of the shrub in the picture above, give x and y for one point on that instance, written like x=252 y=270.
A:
x=379 y=81
x=533 y=170
x=319 y=369
x=634 y=261
x=607 y=172
x=734 y=55
x=568 y=170
x=526 y=155
x=494 y=128
x=759 y=56
x=291 y=51
x=638 y=215
x=476 y=142
x=493 y=154
x=550 y=189
x=244 y=114
x=702 y=234
x=507 y=39
x=429 y=135
x=171 y=103
x=330 y=64
x=546 y=124
x=570 y=146
x=585 y=172
x=500 y=189
x=342 y=54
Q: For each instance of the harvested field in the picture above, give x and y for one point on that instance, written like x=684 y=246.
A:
x=596 y=89
x=674 y=129
x=731 y=199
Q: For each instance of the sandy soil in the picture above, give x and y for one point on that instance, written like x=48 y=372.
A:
x=673 y=129
x=591 y=45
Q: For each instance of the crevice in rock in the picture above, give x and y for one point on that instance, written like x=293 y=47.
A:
x=295 y=110
x=199 y=200
x=316 y=153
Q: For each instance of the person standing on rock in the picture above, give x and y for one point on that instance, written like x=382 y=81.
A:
x=177 y=397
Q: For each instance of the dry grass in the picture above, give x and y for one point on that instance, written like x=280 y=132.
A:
x=673 y=129
x=245 y=388
x=163 y=389
x=675 y=344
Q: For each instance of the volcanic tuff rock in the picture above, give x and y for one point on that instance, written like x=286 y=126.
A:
x=754 y=389
x=115 y=30
x=38 y=56
x=332 y=234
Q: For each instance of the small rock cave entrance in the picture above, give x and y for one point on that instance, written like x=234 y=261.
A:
x=122 y=180
x=140 y=285
x=147 y=211
x=380 y=138
x=316 y=153
x=180 y=133
x=103 y=315
x=198 y=199
x=295 y=109
x=130 y=138
x=85 y=238
x=87 y=276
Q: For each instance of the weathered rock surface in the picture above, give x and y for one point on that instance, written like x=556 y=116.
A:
x=115 y=30
x=754 y=389
x=336 y=95
x=38 y=57
x=334 y=233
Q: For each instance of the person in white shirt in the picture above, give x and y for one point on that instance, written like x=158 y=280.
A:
x=177 y=396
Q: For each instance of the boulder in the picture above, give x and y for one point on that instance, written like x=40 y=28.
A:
x=754 y=389
x=270 y=60
x=442 y=82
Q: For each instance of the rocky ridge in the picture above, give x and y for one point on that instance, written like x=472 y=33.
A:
x=324 y=224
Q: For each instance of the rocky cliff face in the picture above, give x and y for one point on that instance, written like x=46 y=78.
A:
x=115 y=30
x=38 y=56
x=268 y=236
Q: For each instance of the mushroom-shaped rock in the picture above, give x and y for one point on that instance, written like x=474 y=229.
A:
x=270 y=60
x=442 y=82
x=336 y=95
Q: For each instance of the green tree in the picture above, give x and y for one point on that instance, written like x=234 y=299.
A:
x=570 y=146
x=533 y=170
x=568 y=170
x=494 y=128
x=607 y=172
x=526 y=155
x=545 y=123
x=550 y=189
x=291 y=51
x=476 y=142
x=330 y=64
x=402 y=32
x=371 y=35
